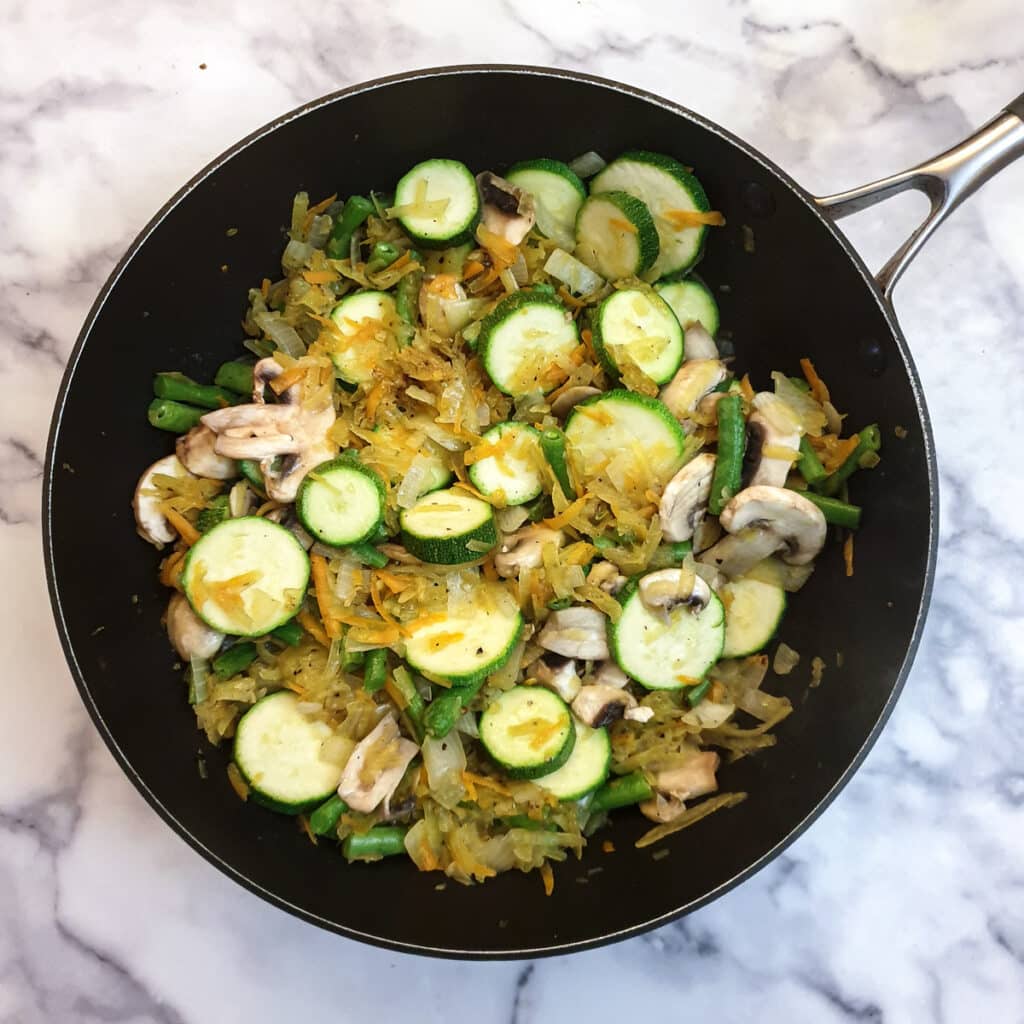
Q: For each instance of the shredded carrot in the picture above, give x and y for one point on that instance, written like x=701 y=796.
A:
x=395 y=694
x=400 y=262
x=170 y=570
x=265 y=287
x=688 y=680
x=597 y=415
x=188 y=533
x=322 y=589
x=444 y=285
x=540 y=730
x=283 y=381
x=567 y=514
x=467 y=781
x=681 y=219
x=439 y=641
x=486 y=782
x=320 y=276
x=321 y=206
x=623 y=225
x=471 y=268
x=373 y=401
x=464 y=486
x=839 y=453
x=378 y=603
x=423 y=621
x=501 y=250
x=548 y=878
x=818 y=386
x=607 y=846
x=487 y=451
x=305 y=827
x=394 y=583
x=313 y=628
x=746 y=388
x=430 y=862
x=489 y=570
x=238 y=784
x=569 y=299
x=848 y=554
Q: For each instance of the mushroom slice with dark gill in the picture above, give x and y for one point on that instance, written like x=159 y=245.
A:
x=577 y=632
x=684 y=502
x=773 y=441
x=506 y=209
x=559 y=675
x=668 y=589
x=524 y=549
x=693 y=380
x=597 y=704
x=198 y=454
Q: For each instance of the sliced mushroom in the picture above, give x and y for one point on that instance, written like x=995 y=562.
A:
x=524 y=549
x=609 y=674
x=570 y=398
x=559 y=674
x=577 y=632
x=661 y=808
x=507 y=210
x=708 y=530
x=197 y=453
x=192 y=638
x=693 y=380
x=265 y=371
x=698 y=344
x=773 y=441
x=667 y=589
x=684 y=502
x=364 y=790
x=639 y=714
x=606 y=575
x=709 y=714
x=596 y=705
x=151 y=522
x=694 y=778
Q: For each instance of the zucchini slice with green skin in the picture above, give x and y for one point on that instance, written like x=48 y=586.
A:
x=522 y=340
x=586 y=769
x=670 y=192
x=638 y=325
x=528 y=731
x=692 y=302
x=264 y=567
x=465 y=648
x=437 y=203
x=277 y=750
x=616 y=235
x=607 y=426
x=448 y=527
x=516 y=471
x=355 y=317
x=340 y=502
x=557 y=194
x=666 y=652
x=753 y=611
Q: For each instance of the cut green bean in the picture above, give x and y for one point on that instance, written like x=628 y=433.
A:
x=173 y=416
x=732 y=436
x=289 y=633
x=415 y=708
x=234 y=660
x=530 y=824
x=407 y=299
x=382 y=255
x=447 y=708
x=353 y=660
x=838 y=513
x=809 y=464
x=179 y=388
x=214 y=514
x=621 y=792
x=668 y=555
x=697 y=693
x=868 y=440
x=552 y=444
x=368 y=555
x=353 y=216
x=375 y=670
x=235 y=376
x=324 y=820
x=380 y=841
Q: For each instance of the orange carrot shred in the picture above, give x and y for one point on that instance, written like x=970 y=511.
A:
x=818 y=386
x=746 y=388
x=188 y=533
x=848 y=554
x=548 y=878
x=322 y=589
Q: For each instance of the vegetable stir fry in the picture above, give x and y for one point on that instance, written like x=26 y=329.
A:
x=484 y=538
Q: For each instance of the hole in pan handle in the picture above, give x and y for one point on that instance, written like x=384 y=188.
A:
x=947 y=180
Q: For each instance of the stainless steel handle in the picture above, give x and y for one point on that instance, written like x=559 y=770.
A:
x=947 y=180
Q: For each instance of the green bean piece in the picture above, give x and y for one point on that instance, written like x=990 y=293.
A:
x=380 y=841
x=809 y=464
x=407 y=299
x=250 y=469
x=415 y=707
x=179 y=388
x=214 y=514
x=368 y=555
x=290 y=633
x=353 y=660
x=543 y=289
x=838 y=513
x=353 y=216
x=173 y=416
x=382 y=255
x=621 y=792
x=530 y=824
x=868 y=440
x=732 y=437
x=697 y=693
x=446 y=709
x=235 y=376
x=381 y=535
x=667 y=556
x=559 y=604
x=375 y=670
x=552 y=444
x=324 y=820
x=235 y=659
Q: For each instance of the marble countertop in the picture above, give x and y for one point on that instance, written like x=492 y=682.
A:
x=905 y=902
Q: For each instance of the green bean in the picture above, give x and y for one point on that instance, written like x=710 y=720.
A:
x=696 y=694
x=214 y=514
x=380 y=535
x=668 y=555
x=353 y=660
x=179 y=388
x=407 y=299
x=324 y=820
x=838 y=513
x=732 y=435
x=173 y=416
x=368 y=555
x=809 y=464
x=530 y=824
x=289 y=633
x=375 y=671
x=380 y=841
x=235 y=376
x=234 y=660
x=621 y=792
x=868 y=440
x=552 y=444
x=446 y=709
x=353 y=216
x=415 y=707
x=382 y=255
x=543 y=289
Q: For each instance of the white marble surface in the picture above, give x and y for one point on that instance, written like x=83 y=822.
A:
x=905 y=902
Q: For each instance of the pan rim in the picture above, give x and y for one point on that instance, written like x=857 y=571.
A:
x=508 y=953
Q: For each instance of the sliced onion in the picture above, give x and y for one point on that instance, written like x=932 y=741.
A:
x=281 y=333
x=296 y=254
x=586 y=165
x=445 y=761
x=576 y=276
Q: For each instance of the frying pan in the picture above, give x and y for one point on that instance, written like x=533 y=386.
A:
x=174 y=302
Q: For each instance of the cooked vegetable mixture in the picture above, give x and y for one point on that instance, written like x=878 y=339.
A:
x=488 y=539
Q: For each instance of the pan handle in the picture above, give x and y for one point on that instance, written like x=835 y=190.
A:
x=947 y=180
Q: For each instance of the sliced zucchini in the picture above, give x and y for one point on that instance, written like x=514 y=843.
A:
x=753 y=611
x=437 y=203
x=250 y=469
x=586 y=769
x=529 y=731
x=638 y=325
x=466 y=648
x=557 y=194
x=246 y=577
x=448 y=527
x=516 y=468
x=670 y=192
x=341 y=502
x=366 y=323
x=616 y=235
x=607 y=431
x=524 y=340
x=692 y=302
x=277 y=750
x=666 y=652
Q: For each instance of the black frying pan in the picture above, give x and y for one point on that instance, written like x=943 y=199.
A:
x=171 y=304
